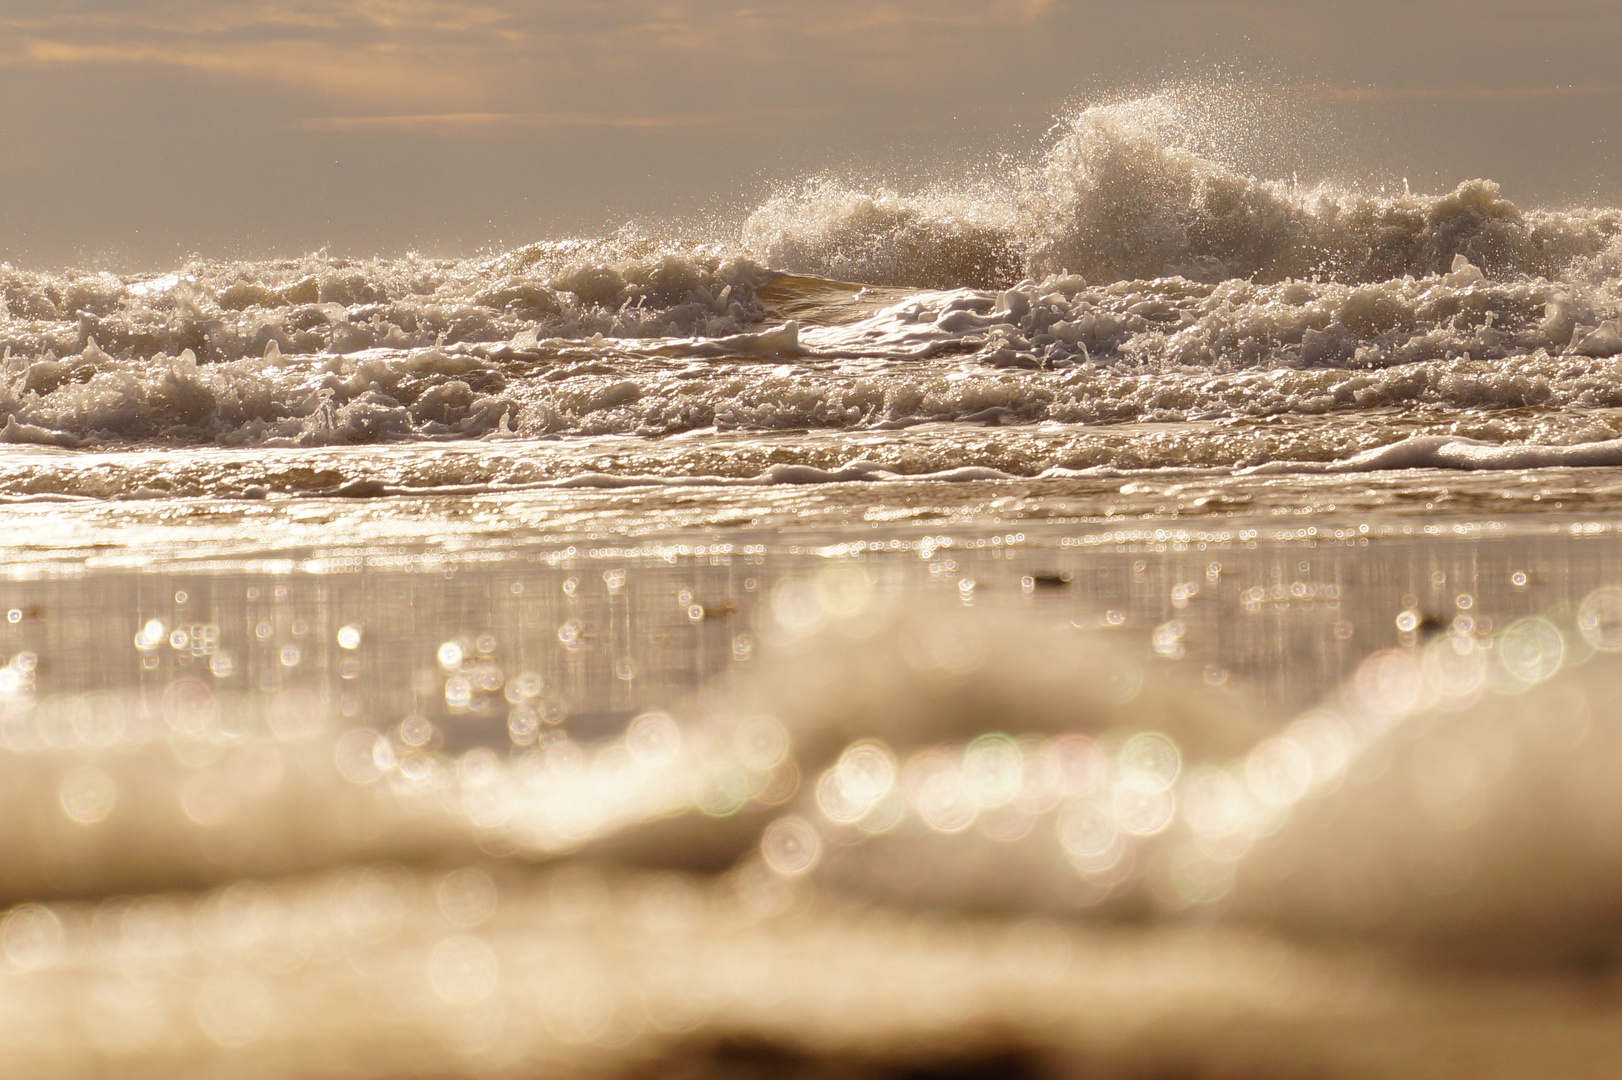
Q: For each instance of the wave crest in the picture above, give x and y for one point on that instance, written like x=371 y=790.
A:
x=882 y=238
x=226 y=311
x=1116 y=197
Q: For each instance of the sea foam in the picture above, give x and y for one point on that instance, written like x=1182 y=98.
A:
x=1127 y=272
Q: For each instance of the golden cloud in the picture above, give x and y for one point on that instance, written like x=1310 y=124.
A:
x=392 y=73
x=478 y=121
x=367 y=50
x=1454 y=93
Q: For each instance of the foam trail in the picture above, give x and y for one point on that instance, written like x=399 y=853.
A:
x=1445 y=452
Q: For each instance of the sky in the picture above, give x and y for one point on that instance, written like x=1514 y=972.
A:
x=137 y=133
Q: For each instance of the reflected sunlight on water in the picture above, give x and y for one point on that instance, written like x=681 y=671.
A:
x=551 y=816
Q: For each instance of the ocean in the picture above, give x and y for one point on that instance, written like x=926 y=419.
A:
x=1120 y=615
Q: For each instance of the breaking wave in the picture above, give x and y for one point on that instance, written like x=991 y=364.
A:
x=1119 y=195
x=1129 y=274
x=1057 y=351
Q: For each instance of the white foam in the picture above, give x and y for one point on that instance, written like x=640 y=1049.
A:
x=1451 y=452
x=225 y=311
x=1137 y=281
x=854 y=473
x=1131 y=190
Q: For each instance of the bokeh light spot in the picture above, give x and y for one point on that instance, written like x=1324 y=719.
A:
x=1599 y=619
x=1153 y=756
x=791 y=846
x=467 y=897
x=1531 y=650
x=463 y=970
x=87 y=794
x=993 y=769
x=653 y=739
x=31 y=936
x=761 y=743
x=234 y=1008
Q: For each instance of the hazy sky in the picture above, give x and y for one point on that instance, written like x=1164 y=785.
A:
x=134 y=131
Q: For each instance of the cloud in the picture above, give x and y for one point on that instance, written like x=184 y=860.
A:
x=956 y=15
x=470 y=54
x=484 y=121
x=415 y=50
x=1455 y=93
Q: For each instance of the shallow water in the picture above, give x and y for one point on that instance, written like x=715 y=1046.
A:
x=1137 y=618
x=548 y=807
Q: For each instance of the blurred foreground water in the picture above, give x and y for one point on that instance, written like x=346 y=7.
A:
x=969 y=803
